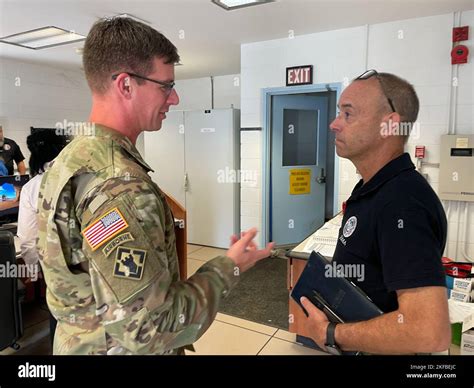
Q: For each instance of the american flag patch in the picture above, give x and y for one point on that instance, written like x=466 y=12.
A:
x=104 y=228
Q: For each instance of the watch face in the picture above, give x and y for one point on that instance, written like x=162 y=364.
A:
x=333 y=350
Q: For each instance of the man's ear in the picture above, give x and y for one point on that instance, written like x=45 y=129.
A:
x=123 y=86
x=390 y=125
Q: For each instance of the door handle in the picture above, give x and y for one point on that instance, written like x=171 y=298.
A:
x=186 y=182
x=321 y=178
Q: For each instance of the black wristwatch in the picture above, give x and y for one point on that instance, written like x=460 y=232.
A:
x=330 y=344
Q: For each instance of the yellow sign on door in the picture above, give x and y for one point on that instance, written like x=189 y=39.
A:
x=300 y=181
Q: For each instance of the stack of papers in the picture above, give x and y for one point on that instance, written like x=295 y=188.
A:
x=324 y=240
x=461 y=312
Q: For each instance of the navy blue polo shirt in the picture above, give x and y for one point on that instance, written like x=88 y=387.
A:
x=10 y=152
x=394 y=227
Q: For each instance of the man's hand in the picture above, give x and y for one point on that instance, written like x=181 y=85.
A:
x=244 y=252
x=316 y=323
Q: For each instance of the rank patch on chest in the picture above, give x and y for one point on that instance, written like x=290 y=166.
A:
x=129 y=263
x=104 y=228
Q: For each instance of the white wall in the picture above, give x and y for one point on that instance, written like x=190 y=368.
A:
x=39 y=96
x=416 y=49
x=196 y=93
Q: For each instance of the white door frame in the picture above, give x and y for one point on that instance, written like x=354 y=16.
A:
x=267 y=94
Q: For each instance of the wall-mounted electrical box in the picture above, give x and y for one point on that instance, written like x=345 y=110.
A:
x=456 y=171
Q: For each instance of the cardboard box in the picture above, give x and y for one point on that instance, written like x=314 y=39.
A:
x=461 y=316
x=467 y=343
x=460 y=296
x=456 y=333
x=462 y=285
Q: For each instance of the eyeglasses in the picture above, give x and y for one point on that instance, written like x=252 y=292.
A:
x=371 y=73
x=166 y=86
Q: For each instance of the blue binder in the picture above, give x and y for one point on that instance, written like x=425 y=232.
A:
x=339 y=298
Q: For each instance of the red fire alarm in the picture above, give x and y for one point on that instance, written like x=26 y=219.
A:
x=420 y=152
x=459 y=54
x=460 y=33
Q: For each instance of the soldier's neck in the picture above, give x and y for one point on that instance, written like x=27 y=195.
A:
x=114 y=120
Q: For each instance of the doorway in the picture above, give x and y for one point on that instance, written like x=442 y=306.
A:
x=299 y=164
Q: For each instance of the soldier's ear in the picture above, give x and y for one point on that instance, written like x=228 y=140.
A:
x=123 y=85
x=126 y=84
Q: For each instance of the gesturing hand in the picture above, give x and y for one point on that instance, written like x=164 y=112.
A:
x=244 y=252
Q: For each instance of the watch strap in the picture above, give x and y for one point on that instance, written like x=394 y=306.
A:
x=331 y=334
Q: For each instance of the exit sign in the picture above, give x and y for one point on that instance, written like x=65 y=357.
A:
x=299 y=75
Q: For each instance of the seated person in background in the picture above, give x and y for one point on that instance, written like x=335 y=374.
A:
x=9 y=152
x=44 y=147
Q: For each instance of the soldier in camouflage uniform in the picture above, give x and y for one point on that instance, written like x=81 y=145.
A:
x=106 y=233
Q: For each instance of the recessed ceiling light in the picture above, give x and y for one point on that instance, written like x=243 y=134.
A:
x=41 y=38
x=229 y=5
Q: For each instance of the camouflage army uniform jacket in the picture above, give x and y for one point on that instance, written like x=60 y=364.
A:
x=107 y=249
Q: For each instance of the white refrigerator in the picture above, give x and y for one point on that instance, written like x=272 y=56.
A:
x=196 y=158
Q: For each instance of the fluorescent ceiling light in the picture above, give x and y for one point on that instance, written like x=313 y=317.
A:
x=44 y=37
x=229 y=5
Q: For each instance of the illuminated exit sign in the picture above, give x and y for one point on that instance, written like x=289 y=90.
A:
x=299 y=75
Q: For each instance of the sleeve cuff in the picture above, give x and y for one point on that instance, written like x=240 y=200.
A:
x=433 y=280
x=226 y=269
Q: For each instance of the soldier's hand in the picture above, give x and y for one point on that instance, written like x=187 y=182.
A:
x=244 y=252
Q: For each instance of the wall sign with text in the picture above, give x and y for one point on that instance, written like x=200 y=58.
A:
x=299 y=75
x=300 y=181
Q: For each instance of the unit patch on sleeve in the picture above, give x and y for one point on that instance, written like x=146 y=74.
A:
x=129 y=263
x=104 y=228
x=116 y=241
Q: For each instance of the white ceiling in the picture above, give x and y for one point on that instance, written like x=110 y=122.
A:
x=212 y=36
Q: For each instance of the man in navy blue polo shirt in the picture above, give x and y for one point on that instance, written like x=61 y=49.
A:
x=9 y=152
x=394 y=227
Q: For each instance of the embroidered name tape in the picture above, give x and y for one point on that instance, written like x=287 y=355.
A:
x=104 y=228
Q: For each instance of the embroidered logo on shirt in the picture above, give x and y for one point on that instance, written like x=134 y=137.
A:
x=104 y=228
x=129 y=263
x=350 y=226
x=116 y=241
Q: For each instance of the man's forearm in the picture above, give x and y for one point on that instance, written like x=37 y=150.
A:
x=387 y=334
x=22 y=168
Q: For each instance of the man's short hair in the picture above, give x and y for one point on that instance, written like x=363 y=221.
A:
x=403 y=97
x=121 y=44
